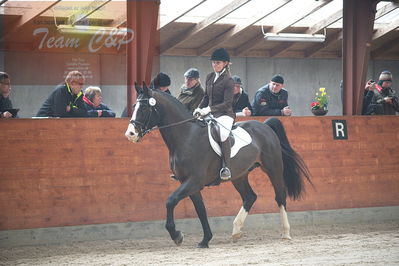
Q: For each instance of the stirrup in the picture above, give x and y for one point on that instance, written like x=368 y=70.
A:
x=225 y=173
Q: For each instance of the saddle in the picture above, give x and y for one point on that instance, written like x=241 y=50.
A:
x=239 y=137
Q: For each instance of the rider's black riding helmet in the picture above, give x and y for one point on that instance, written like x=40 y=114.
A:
x=220 y=54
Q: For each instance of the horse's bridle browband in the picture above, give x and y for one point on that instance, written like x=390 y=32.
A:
x=145 y=127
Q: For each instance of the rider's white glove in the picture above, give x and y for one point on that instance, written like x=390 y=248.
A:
x=202 y=111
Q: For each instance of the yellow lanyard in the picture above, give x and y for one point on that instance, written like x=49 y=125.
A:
x=70 y=92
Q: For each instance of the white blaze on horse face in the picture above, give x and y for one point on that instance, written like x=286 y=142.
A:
x=131 y=133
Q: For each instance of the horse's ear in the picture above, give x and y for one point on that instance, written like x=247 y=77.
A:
x=139 y=90
x=146 y=90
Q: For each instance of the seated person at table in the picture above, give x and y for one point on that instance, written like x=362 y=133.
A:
x=93 y=103
x=66 y=100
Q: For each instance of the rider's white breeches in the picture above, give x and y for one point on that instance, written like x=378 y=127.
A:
x=225 y=124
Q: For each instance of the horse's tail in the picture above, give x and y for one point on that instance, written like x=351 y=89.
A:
x=294 y=166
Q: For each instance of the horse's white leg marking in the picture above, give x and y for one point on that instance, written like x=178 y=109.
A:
x=239 y=223
x=285 y=226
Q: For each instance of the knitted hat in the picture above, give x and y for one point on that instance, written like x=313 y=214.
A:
x=220 y=54
x=278 y=79
x=237 y=79
x=192 y=73
x=161 y=80
x=385 y=76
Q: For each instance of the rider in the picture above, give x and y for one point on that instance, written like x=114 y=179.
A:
x=218 y=100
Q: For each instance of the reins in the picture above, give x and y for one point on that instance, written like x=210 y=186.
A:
x=175 y=124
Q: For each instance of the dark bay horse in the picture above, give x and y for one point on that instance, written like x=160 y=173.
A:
x=196 y=165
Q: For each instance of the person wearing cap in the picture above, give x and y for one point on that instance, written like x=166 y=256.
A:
x=241 y=105
x=191 y=93
x=67 y=99
x=272 y=99
x=161 y=82
x=5 y=90
x=379 y=98
x=218 y=100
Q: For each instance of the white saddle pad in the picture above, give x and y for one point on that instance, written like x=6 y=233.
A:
x=241 y=138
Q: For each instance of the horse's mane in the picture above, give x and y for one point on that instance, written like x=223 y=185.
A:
x=174 y=102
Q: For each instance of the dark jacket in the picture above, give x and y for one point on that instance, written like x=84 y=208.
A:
x=56 y=103
x=92 y=110
x=191 y=97
x=377 y=105
x=240 y=101
x=269 y=103
x=219 y=94
x=5 y=103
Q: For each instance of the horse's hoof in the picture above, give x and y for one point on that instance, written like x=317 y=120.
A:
x=179 y=239
x=286 y=236
x=237 y=236
x=202 y=245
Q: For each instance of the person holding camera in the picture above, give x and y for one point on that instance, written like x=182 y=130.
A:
x=379 y=98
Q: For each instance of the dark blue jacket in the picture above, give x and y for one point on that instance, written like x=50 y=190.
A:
x=267 y=103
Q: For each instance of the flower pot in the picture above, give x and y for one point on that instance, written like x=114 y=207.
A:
x=319 y=112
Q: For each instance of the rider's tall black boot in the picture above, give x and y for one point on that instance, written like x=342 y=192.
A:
x=225 y=171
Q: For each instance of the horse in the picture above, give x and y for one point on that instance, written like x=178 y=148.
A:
x=196 y=165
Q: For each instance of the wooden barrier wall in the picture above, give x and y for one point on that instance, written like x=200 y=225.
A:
x=61 y=172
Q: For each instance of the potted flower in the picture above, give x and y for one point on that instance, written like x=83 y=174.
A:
x=319 y=106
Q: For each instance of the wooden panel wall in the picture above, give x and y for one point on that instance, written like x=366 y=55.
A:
x=60 y=172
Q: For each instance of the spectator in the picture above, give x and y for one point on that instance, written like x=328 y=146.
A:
x=161 y=82
x=241 y=105
x=218 y=100
x=93 y=103
x=379 y=99
x=191 y=93
x=6 y=110
x=67 y=99
x=272 y=99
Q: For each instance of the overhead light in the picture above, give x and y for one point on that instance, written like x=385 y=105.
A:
x=83 y=29
x=294 y=37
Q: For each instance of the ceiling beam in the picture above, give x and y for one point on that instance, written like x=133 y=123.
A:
x=291 y=20
x=384 y=48
x=226 y=36
x=312 y=30
x=173 y=19
x=386 y=9
x=218 y=15
x=330 y=39
x=385 y=30
x=38 y=8
x=338 y=36
x=86 y=11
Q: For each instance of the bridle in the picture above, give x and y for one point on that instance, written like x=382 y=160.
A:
x=145 y=128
